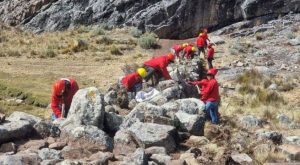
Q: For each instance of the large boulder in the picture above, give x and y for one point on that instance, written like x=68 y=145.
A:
x=87 y=108
x=19 y=125
x=87 y=137
x=20 y=159
x=123 y=143
x=189 y=105
x=112 y=121
x=168 y=19
x=151 y=134
x=45 y=129
x=193 y=124
x=46 y=154
x=137 y=158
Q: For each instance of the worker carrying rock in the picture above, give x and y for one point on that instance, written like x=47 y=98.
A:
x=189 y=51
x=157 y=68
x=62 y=95
x=210 y=95
x=177 y=49
x=133 y=81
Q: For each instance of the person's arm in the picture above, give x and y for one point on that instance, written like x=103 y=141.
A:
x=55 y=106
x=165 y=73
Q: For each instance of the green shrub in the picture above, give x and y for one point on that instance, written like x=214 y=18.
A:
x=268 y=97
x=13 y=53
x=115 y=50
x=105 y=40
x=246 y=89
x=259 y=36
x=79 y=45
x=148 y=41
x=250 y=77
x=98 y=31
x=135 y=32
x=50 y=53
x=105 y=26
x=291 y=35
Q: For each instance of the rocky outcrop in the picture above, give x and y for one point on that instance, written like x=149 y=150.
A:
x=168 y=19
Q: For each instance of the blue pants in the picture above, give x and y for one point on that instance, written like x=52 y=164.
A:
x=212 y=110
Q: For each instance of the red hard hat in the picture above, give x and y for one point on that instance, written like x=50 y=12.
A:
x=58 y=87
x=212 y=71
x=171 y=57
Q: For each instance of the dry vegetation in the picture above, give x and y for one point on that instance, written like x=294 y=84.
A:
x=94 y=56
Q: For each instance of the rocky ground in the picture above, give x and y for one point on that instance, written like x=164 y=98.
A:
x=260 y=112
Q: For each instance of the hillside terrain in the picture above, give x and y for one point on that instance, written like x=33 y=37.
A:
x=259 y=70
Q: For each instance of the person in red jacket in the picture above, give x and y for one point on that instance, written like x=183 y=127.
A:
x=177 y=49
x=211 y=97
x=62 y=95
x=205 y=36
x=133 y=81
x=201 y=44
x=157 y=68
x=210 y=55
x=189 y=52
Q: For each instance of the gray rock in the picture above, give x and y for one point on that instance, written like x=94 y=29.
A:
x=132 y=104
x=101 y=158
x=168 y=19
x=159 y=100
x=140 y=112
x=190 y=106
x=50 y=162
x=45 y=129
x=109 y=108
x=47 y=153
x=123 y=143
x=15 y=130
x=241 y=159
x=160 y=158
x=295 y=42
x=112 y=121
x=20 y=159
x=193 y=124
x=110 y=98
x=292 y=151
x=269 y=135
x=8 y=147
x=294 y=125
x=150 y=134
x=250 y=121
x=217 y=40
x=22 y=116
x=57 y=145
x=273 y=87
x=283 y=119
x=162 y=85
x=292 y=140
x=172 y=92
x=87 y=137
x=156 y=150
x=137 y=158
x=87 y=108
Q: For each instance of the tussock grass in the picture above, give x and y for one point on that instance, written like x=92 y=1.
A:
x=148 y=41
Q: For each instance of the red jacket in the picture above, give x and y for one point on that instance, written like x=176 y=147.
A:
x=160 y=64
x=188 y=51
x=177 y=48
x=201 y=41
x=210 y=52
x=56 y=101
x=211 y=91
x=203 y=83
x=130 y=80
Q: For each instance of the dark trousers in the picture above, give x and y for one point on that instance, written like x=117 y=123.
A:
x=209 y=62
x=201 y=49
x=152 y=74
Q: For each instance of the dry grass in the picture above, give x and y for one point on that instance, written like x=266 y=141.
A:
x=30 y=63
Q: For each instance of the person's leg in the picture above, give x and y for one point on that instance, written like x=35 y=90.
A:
x=209 y=61
x=208 y=107
x=150 y=72
x=215 y=117
x=199 y=51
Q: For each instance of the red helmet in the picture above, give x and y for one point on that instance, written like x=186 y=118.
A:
x=212 y=71
x=59 y=87
x=171 y=57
